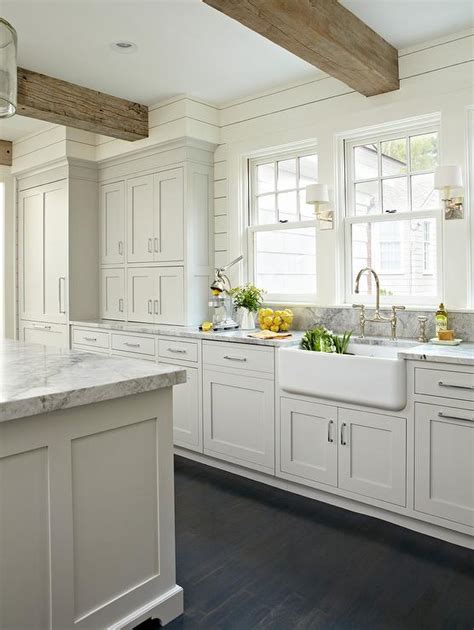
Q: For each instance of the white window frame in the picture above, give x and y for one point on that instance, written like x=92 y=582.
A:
x=374 y=135
x=253 y=227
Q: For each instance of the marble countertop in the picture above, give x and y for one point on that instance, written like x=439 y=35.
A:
x=36 y=379
x=461 y=355
x=193 y=332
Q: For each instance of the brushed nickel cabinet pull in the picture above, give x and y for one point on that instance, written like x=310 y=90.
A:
x=156 y=309
x=150 y=246
x=447 y=416
x=330 y=438
x=343 y=441
x=177 y=351
x=131 y=345
x=90 y=338
x=155 y=240
x=61 y=284
x=120 y=248
x=120 y=305
x=455 y=385
x=243 y=359
x=150 y=307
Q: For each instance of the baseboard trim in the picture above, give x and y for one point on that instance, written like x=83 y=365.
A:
x=166 y=607
x=422 y=527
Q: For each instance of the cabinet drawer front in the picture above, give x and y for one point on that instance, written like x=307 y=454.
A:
x=93 y=338
x=238 y=356
x=182 y=350
x=445 y=383
x=129 y=343
x=45 y=334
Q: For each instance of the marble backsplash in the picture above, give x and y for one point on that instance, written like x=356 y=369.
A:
x=341 y=319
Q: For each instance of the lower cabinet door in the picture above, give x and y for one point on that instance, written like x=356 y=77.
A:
x=372 y=455
x=444 y=462
x=308 y=441
x=187 y=427
x=140 y=294
x=239 y=418
x=45 y=334
x=168 y=302
x=112 y=294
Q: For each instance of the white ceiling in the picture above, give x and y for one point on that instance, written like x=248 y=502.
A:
x=186 y=47
x=18 y=127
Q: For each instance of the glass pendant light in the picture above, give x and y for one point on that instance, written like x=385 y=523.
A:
x=8 y=69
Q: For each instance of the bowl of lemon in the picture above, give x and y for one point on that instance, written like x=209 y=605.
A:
x=276 y=321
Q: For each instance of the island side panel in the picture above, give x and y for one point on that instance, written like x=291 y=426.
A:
x=90 y=488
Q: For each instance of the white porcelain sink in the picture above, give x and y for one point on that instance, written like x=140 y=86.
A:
x=372 y=375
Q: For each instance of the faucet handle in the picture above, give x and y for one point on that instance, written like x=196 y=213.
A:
x=361 y=306
x=398 y=308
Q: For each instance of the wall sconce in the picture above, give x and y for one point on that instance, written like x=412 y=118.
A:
x=318 y=195
x=447 y=178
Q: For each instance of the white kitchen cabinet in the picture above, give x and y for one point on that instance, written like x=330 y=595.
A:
x=43 y=253
x=156 y=217
x=45 y=334
x=372 y=455
x=444 y=462
x=140 y=210
x=238 y=409
x=187 y=411
x=141 y=282
x=112 y=293
x=168 y=224
x=156 y=295
x=112 y=223
x=308 y=446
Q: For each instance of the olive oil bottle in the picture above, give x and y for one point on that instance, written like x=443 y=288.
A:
x=441 y=318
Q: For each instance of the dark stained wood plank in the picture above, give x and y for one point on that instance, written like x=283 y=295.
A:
x=5 y=153
x=64 y=103
x=325 y=34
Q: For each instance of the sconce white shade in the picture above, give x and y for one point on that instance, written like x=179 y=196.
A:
x=317 y=193
x=448 y=177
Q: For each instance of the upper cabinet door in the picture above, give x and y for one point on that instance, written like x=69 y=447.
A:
x=56 y=252
x=140 y=219
x=168 y=238
x=31 y=261
x=112 y=223
x=372 y=455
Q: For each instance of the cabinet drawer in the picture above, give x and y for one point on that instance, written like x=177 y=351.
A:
x=45 y=334
x=240 y=356
x=445 y=383
x=182 y=350
x=129 y=343
x=93 y=338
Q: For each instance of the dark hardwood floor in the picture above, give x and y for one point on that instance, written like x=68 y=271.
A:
x=249 y=556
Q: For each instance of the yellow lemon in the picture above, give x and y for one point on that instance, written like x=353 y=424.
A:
x=206 y=326
x=284 y=326
x=277 y=320
x=268 y=320
x=274 y=328
x=267 y=312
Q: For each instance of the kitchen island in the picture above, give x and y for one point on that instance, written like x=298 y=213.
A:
x=86 y=490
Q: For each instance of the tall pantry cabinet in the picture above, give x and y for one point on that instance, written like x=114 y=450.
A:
x=155 y=236
x=57 y=251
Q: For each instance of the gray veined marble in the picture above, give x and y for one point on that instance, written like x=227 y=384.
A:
x=459 y=355
x=35 y=379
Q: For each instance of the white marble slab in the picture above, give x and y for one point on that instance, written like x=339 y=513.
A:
x=35 y=379
x=460 y=355
x=238 y=336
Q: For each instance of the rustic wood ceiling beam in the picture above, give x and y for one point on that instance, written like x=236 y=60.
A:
x=5 y=153
x=326 y=35
x=63 y=103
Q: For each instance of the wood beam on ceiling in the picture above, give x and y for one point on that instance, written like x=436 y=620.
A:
x=63 y=103
x=326 y=35
x=5 y=153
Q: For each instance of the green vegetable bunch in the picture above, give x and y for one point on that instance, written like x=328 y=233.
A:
x=320 y=339
x=248 y=296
